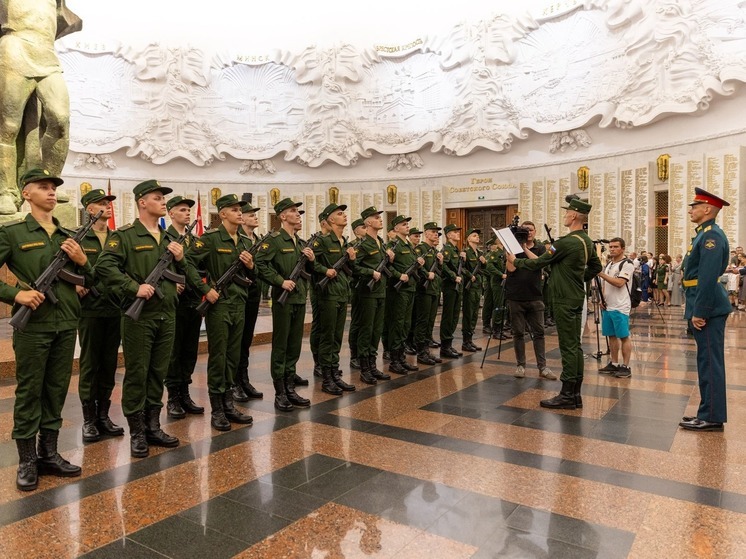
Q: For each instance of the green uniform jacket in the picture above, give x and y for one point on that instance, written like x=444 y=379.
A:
x=570 y=270
x=404 y=257
x=368 y=255
x=450 y=264
x=190 y=296
x=472 y=259
x=328 y=249
x=275 y=260
x=129 y=256
x=107 y=304
x=27 y=250
x=213 y=253
x=424 y=250
x=706 y=261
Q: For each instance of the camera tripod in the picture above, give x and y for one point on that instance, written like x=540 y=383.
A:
x=598 y=302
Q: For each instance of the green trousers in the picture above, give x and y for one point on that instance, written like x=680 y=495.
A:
x=287 y=338
x=489 y=305
x=568 y=318
x=99 y=349
x=313 y=338
x=224 y=325
x=186 y=347
x=400 y=318
x=44 y=362
x=451 y=312
x=388 y=317
x=332 y=316
x=371 y=326
x=250 y=315
x=471 y=298
x=147 y=347
x=354 y=321
x=427 y=307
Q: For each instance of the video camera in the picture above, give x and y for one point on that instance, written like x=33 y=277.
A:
x=520 y=233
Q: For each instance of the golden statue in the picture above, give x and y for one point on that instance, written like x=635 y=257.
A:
x=34 y=103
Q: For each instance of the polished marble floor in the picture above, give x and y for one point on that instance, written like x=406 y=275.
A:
x=452 y=461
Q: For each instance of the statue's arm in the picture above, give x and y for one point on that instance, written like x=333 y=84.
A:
x=67 y=21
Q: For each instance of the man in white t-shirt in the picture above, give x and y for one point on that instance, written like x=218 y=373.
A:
x=615 y=315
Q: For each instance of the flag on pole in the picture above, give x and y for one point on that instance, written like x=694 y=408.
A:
x=200 y=228
x=112 y=222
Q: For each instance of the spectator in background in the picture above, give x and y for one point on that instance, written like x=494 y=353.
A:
x=674 y=282
x=664 y=262
x=644 y=278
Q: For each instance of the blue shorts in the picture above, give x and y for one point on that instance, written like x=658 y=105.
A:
x=615 y=324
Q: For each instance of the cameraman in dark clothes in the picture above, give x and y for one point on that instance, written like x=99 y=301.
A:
x=523 y=293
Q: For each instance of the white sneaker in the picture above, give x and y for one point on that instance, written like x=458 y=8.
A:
x=547 y=373
x=520 y=372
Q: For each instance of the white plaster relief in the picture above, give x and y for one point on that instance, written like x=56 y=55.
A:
x=622 y=63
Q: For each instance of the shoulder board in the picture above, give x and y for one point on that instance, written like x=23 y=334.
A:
x=210 y=232
x=243 y=235
x=125 y=227
x=706 y=229
x=12 y=223
x=274 y=234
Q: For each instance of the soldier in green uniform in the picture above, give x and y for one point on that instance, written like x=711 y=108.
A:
x=275 y=260
x=331 y=301
x=44 y=349
x=130 y=255
x=387 y=308
x=415 y=238
x=496 y=277
x=98 y=330
x=427 y=293
x=358 y=229
x=400 y=302
x=707 y=309
x=243 y=390
x=371 y=251
x=474 y=272
x=213 y=253
x=452 y=286
x=489 y=300
x=574 y=262
x=313 y=338
x=188 y=323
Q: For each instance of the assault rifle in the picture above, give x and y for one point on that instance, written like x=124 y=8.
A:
x=433 y=268
x=159 y=272
x=383 y=266
x=475 y=272
x=340 y=264
x=56 y=270
x=459 y=271
x=409 y=271
x=299 y=270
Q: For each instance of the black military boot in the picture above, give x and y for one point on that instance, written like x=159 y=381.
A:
x=396 y=365
x=354 y=361
x=318 y=371
x=405 y=363
x=299 y=381
x=578 y=397
x=232 y=414
x=238 y=394
x=423 y=355
x=337 y=378
x=138 y=444
x=293 y=397
x=218 y=421
x=173 y=406
x=27 y=478
x=375 y=371
x=366 y=374
x=243 y=380
x=408 y=349
x=49 y=461
x=565 y=400
x=153 y=432
x=187 y=404
x=105 y=425
x=328 y=385
x=446 y=350
x=90 y=431
x=281 y=400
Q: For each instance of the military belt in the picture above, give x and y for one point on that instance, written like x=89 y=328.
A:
x=689 y=282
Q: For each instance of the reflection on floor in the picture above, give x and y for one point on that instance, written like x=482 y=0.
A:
x=451 y=461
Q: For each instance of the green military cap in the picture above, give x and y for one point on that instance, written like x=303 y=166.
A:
x=36 y=175
x=357 y=223
x=451 y=227
x=248 y=208
x=146 y=187
x=367 y=212
x=399 y=219
x=389 y=227
x=285 y=204
x=330 y=209
x=431 y=225
x=578 y=205
x=415 y=231
x=176 y=200
x=492 y=240
x=229 y=200
x=473 y=230
x=95 y=196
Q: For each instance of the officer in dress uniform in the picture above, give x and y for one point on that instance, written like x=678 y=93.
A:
x=130 y=255
x=275 y=260
x=44 y=349
x=213 y=253
x=707 y=308
x=188 y=323
x=574 y=262
x=98 y=330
